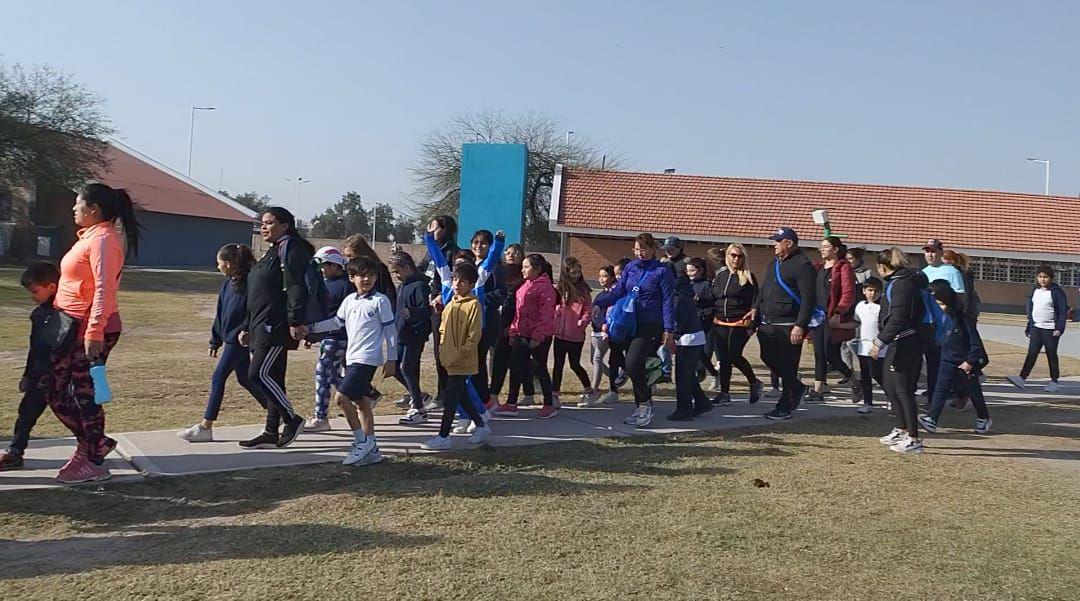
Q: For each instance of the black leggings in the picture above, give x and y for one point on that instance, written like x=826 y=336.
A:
x=573 y=349
x=526 y=363
x=267 y=372
x=408 y=371
x=707 y=356
x=900 y=375
x=728 y=343
x=826 y=353
x=1039 y=338
x=688 y=393
x=455 y=393
x=869 y=371
x=500 y=364
x=641 y=347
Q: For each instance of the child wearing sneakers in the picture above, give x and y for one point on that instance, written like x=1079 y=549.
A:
x=328 y=370
x=40 y=280
x=573 y=307
x=1047 y=311
x=459 y=343
x=414 y=329
x=234 y=261
x=369 y=324
x=690 y=400
x=963 y=358
x=600 y=345
x=867 y=313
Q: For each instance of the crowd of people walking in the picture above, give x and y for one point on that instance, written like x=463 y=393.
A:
x=495 y=314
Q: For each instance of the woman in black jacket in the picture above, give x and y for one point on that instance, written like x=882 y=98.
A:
x=276 y=322
x=734 y=293
x=900 y=316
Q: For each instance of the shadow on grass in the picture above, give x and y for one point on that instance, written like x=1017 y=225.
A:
x=171 y=545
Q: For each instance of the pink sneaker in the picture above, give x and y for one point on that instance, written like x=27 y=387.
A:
x=81 y=470
x=548 y=411
x=73 y=460
x=505 y=411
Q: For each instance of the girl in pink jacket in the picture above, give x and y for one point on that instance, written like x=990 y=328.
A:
x=530 y=336
x=573 y=310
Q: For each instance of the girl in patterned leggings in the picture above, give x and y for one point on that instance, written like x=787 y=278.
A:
x=331 y=365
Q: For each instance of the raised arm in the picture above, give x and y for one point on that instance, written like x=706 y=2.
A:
x=437 y=258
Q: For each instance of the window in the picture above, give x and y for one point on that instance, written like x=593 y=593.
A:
x=1023 y=271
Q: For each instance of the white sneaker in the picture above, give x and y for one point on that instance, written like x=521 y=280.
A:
x=1052 y=387
x=480 y=435
x=772 y=393
x=315 y=424
x=197 y=433
x=1017 y=381
x=982 y=426
x=864 y=409
x=589 y=400
x=716 y=387
x=610 y=398
x=359 y=451
x=462 y=426
x=437 y=443
x=414 y=417
x=633 y=417
x=403 y=402
x=892 y=437
x=526 y=400
x=485 y=417
x=908 y=446
x=645 y=416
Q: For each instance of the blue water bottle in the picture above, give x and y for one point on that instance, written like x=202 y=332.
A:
x=102 y=393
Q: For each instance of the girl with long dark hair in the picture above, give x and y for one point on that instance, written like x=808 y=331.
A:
x=444 y=229
x=500 y=354
x=573 y=310
x=87 y=292
x=530 y=336
x=277 y=302
x=836 y=294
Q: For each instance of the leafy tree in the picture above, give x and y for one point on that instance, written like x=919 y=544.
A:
x=384 y=222
x=52 y=129
x=404 y=230
x=252 y=200
x=437 y=173
x=346 y=217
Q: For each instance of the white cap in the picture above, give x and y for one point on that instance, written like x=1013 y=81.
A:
x=329 y=254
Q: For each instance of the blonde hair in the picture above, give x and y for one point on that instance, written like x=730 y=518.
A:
x=745 y=277
x=893 y=258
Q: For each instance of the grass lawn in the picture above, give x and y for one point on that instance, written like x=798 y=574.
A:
x=800 y=510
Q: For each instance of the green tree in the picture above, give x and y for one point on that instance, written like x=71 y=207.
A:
x=348 y=216
x=384 y=222
x=404 y=230
x=252 y=200
x=437 y=173
x=52 y=129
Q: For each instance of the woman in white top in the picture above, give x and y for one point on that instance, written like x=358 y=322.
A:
x=1047 y=309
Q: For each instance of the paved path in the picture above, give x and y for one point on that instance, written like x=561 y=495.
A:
x=161 y=453
x=1014 y=335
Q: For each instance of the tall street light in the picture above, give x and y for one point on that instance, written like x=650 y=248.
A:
x=191 y=133
x=569 y=133
x=1046 y=163
x=296 y=200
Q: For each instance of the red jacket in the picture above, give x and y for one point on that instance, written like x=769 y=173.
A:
x=535 y=316
x=842 y=294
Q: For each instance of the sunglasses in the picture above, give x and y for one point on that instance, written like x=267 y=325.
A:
x=735 y=255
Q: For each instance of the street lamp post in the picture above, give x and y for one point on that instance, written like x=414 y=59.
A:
x=191 y=133
x=569 y=133
x=1046 y=163
x=296 y=199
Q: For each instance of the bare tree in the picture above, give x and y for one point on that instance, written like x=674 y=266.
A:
x=438 y=171
x=51 y=128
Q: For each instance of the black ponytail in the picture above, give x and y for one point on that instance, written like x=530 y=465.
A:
x=285 y=216
x=115 y=205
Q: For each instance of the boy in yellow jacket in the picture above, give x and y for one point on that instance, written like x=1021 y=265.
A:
x=459 y=340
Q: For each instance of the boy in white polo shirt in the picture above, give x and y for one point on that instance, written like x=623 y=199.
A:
x=369 y=324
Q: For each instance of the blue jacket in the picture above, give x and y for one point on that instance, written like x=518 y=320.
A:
x=687 y=320
x=962 y=343
x=231 y=315
x=1061 y=307
x=655 y=300
x=413 y=310
x=337 y=288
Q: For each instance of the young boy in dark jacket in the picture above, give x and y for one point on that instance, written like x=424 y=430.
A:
x=40 y=280
x=962 y=359
x=414 y=327
x=689 y=348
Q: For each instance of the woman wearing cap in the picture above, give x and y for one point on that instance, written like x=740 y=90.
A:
x=836 y=294
x=654 y=311
x=328 y=370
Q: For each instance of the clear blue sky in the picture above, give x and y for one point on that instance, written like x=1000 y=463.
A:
x=952 y=94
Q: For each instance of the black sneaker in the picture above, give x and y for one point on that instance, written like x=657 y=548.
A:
x=664 y=379
x=679 y=416
x=755 y=391
x=266 y=440
x=722 y=399
x=702 y=408
x=777 y=414
x=799 y=398
x=813 y=396
x=291 y=431
x=844 y=381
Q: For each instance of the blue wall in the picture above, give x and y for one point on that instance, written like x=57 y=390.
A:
x=185 y=241
x=492 y=190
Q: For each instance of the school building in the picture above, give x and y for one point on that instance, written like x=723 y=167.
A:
x=1007 y=235
x=183 y=222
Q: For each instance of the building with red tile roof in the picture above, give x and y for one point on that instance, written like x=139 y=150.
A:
x=1007 y=235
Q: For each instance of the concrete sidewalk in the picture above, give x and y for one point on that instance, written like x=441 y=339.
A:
x=162 y=453
x=1069 y=345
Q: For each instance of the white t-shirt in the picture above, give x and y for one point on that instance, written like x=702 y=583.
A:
x=1042 y=309
x=369 y=322
x=866 y=314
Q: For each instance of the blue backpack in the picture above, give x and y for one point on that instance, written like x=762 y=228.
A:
x=317 y=307
x=622 y=319
x=932 y=316
x=817 y=316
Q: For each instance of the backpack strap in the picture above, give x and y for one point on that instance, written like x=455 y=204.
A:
x=783 y=284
